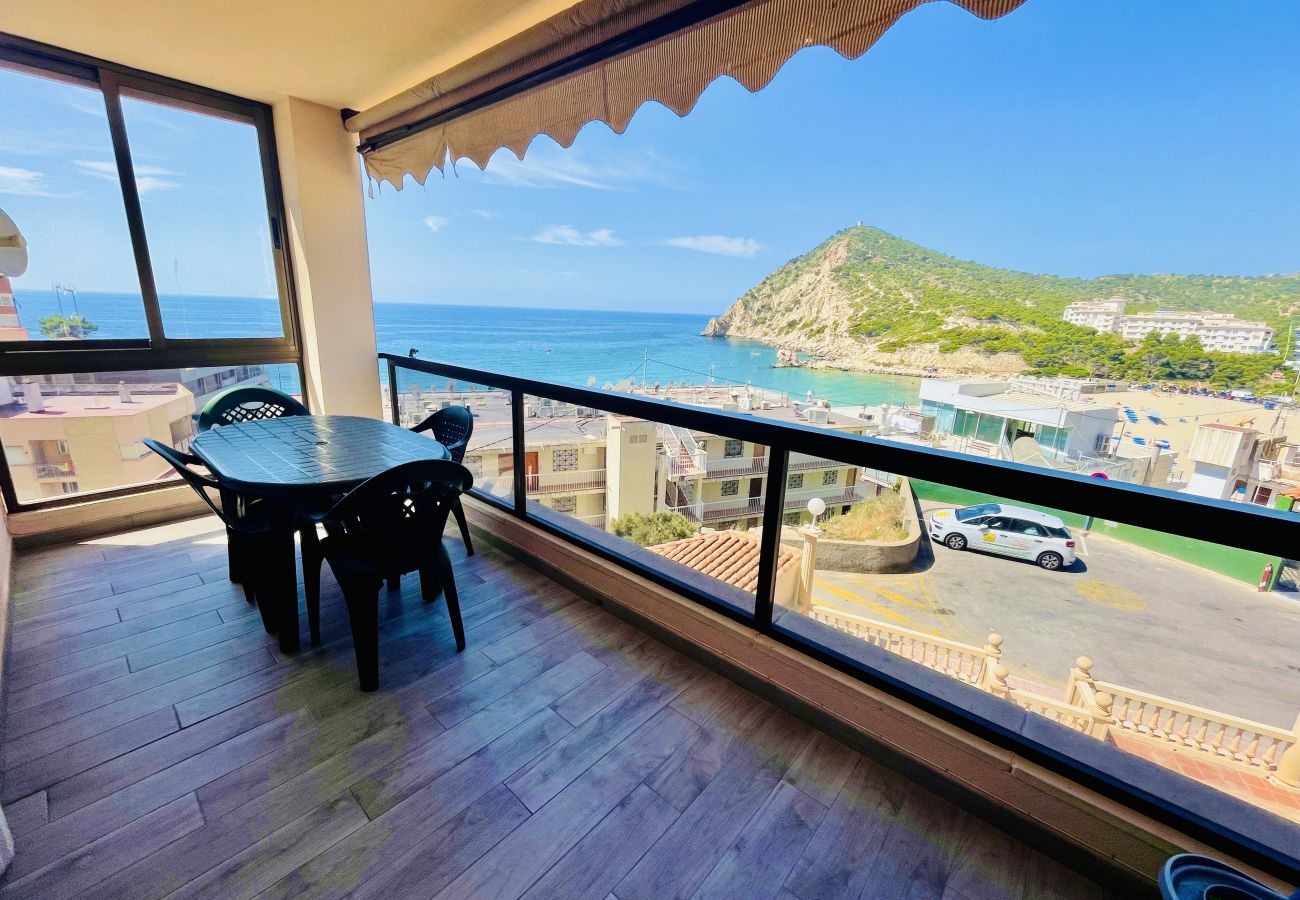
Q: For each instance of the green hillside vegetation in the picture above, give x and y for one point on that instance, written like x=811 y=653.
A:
x=905 y=295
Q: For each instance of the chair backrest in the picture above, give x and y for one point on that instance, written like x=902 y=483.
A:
x=451 y=427
x=247 y=404
x=396 y=516
x=202 y=484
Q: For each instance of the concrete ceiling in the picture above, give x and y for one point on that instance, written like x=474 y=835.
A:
x=341 y=53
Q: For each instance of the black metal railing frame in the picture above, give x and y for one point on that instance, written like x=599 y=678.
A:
x=1246 y=527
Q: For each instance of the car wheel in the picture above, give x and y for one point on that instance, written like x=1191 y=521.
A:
x=1051 y=561
x=955 y=542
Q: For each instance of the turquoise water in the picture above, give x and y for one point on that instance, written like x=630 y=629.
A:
x=568 y=346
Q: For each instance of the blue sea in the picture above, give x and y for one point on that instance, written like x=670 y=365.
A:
x=568 y=346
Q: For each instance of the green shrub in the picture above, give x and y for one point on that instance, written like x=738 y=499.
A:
x=653 y=528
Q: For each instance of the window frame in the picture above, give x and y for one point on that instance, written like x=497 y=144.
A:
x=157 y=351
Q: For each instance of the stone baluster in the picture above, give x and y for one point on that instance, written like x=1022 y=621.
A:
x=998 y=685
x=1100 y=711
x=1080 y=674
x=992 y=659
x=1288 y=767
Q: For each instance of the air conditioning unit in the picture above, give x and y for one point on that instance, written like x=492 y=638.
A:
x=817 y=415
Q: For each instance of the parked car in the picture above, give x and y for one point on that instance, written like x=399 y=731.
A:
x=1006 y=530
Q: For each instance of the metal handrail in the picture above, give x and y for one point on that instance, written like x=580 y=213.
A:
x=1236 y=525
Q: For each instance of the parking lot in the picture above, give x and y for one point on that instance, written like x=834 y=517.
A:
x=1148 y=621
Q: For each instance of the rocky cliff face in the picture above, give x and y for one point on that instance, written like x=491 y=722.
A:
x=868 y=300
x=815 y=305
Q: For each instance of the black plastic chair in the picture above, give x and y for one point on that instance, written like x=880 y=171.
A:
x=452 y=427
x=392 y=523
x=248 y=404
x=246 y=520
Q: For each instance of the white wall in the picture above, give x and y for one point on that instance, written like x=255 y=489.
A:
x=1209 y=481
x=321 y=173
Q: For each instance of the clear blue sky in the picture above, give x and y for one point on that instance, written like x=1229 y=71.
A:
x=1072 y=138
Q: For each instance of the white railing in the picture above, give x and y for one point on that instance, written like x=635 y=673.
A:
x=596 y=521
x=1099 y=709
x=736 y=466
x=565 y=482
x=747 y=507
x=965 y=662
x=1083 y=710
x=686 y=458
x=55 y=470
x=1232 y=741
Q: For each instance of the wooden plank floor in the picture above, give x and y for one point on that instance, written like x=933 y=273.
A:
x=156 y=743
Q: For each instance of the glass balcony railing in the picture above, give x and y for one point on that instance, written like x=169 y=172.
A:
x=1035 y=607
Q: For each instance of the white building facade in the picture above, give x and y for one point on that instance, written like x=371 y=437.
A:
x=1218 y=332
x=1101 y=315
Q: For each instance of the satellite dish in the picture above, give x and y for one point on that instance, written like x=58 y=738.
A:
x=13 y=247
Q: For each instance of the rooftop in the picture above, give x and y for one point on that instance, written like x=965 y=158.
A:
x=729 y=556
x=94 y=405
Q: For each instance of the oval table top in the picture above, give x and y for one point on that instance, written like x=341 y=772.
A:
x=309 y=453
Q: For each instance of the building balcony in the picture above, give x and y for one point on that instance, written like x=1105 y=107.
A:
x=619 y=724
x=177 y=749
x=576 y=482
x=711 y=511
x=739 y=467
x=54 y=470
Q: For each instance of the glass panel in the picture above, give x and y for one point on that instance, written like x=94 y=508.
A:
x=1008 y=596
x=205 y=215
x=693 y=500
x=71 y=434
x=59 y=184
x=490 y=452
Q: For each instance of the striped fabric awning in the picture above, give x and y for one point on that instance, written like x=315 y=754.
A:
x=600 y=60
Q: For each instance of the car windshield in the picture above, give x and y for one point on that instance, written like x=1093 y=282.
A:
x=982 y=509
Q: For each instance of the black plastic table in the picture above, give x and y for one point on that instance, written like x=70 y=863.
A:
x=301 y=462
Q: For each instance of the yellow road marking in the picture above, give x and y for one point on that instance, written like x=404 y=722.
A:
x=1111 y=595
x=882 y=610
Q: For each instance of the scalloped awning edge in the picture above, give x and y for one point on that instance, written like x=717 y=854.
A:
x=749 y=43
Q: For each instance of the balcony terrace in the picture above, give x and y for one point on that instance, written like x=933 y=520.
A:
x=710 y=511
x=574 y=482
x=620 y=725
x=157 y=742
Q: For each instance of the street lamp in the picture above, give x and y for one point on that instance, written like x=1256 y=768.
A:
x=816 y=506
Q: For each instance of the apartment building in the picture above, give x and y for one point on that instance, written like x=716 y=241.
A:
x=719 y=481
x=68 y=443
x=1101 y=315
x=596 y=467
x=1219 y=332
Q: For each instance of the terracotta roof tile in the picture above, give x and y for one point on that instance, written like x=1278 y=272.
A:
x=730 y=556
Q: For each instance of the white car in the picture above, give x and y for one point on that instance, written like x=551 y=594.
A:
x=1008 y=530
